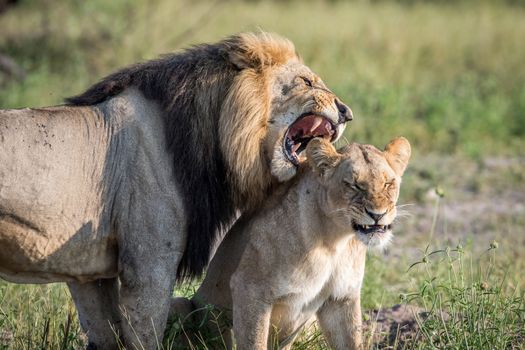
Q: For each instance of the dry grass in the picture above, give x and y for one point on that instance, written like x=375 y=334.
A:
x=449 y=77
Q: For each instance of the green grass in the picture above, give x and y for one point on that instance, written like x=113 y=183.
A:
x=471 y=303
x=38 y=317
x=482 y=310
x=447 y=75
x=479 y=293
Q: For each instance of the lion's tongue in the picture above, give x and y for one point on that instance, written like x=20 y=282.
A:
x=310 y=126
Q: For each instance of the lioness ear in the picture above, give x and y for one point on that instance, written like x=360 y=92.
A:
x=397 y=154
x=322 y=156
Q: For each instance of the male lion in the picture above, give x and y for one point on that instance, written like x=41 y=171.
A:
x=126 y=188
x=303 y=254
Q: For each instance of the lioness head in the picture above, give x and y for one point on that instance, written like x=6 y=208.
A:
x=361 y=185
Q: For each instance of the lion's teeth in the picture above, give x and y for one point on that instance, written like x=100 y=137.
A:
x=317 y=122
x=296 y=147
x=301 y=157
x=367 y=227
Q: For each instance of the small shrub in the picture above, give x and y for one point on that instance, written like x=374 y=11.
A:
x=470 y=304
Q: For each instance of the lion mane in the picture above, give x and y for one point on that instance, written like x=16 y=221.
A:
x=216 y=106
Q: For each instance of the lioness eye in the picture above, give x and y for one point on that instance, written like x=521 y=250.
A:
x=388 y=185
x=307 y=81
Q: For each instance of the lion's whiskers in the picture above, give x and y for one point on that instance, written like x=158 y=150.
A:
x=343 y=141
x=309 y=105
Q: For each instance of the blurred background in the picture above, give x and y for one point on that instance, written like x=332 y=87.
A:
x=448 y=75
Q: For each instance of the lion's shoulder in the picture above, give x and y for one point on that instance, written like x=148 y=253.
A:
x=213 y=101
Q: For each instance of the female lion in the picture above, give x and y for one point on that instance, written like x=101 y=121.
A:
x=304 y=253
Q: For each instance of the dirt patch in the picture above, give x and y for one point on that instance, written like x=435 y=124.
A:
x=5 y=337
x=482 y=200
x=394 y=327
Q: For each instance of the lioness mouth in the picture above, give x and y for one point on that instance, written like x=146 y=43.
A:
x=302 y=131
x=368 y=229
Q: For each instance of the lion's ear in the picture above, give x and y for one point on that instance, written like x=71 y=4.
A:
x=322 y=156
x=244 y=60
x=397 y=154
x=259 y=50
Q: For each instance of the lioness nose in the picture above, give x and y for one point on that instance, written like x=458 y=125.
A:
x=375 y=215
x=345 y=113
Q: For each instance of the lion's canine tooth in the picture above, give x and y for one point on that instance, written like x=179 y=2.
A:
x=317 y=122
x=296 y=147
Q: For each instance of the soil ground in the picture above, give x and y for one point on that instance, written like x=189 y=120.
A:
x=483 y=200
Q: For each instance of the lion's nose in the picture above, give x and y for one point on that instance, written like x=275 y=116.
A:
x=375 y=215
x=345 y=113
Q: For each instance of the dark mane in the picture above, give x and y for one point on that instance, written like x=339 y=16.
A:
x=191 y=130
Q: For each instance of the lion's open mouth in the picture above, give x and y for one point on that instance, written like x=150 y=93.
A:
x=304 y=129
x=371 y=229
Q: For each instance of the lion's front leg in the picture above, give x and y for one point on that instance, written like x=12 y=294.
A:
x=145 y=294
x=151 y=239
x=96 y=304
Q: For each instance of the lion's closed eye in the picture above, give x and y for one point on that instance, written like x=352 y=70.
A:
x=389 y=185
x=307 y=81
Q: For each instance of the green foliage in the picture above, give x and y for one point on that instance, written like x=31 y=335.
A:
x=38 y=317
x=447 y=75
x=201 y=329
x=470 y=303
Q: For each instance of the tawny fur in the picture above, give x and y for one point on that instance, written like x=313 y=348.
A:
x=127 y=188
x=301 y=256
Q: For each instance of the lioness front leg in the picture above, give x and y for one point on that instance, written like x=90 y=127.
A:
x=340 y=322
x=96 y=304
x=251 y=319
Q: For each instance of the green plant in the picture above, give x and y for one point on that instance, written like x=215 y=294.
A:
x=469 y=303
